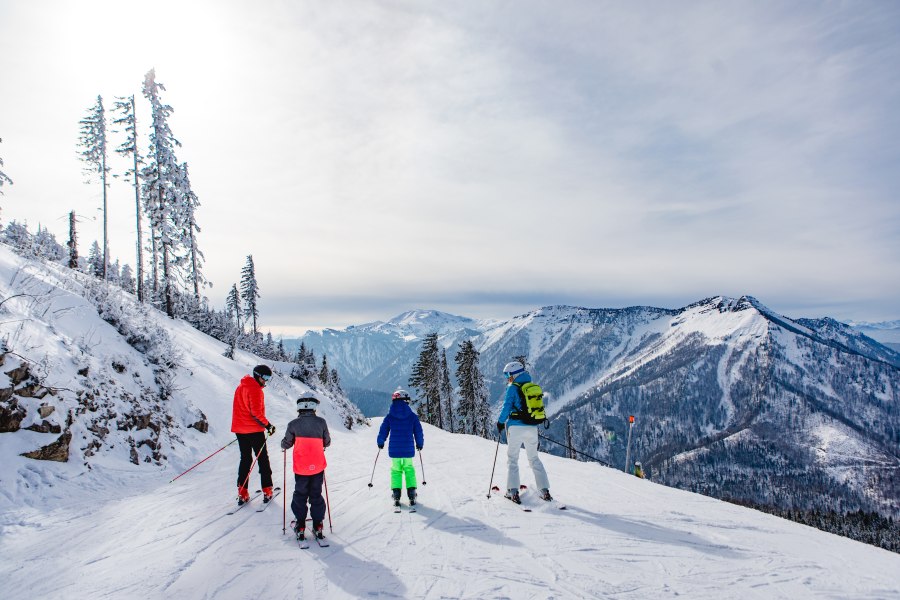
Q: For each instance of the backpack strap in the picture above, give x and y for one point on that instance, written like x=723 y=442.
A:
x=523 y=407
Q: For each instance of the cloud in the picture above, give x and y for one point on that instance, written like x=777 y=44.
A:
x=462 y=154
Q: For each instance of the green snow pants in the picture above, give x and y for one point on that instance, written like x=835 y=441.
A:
x=399 y=468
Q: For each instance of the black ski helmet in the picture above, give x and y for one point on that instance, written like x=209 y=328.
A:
x=262 y=372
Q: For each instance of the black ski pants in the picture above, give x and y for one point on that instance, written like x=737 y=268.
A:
x=250 y=444
x=308 y=488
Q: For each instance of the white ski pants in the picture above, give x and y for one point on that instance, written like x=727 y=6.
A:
x=516 y=437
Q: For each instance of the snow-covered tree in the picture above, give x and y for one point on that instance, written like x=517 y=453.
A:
x=161 y=176
x=324 y=374
x=188 y=202
x=126 y=279
x=233 y=304
x=426 y=378
x=250 y=294
x=126 y=111
x=336 y=383
x=92 y=141
x=95 y=260
x=473 y=410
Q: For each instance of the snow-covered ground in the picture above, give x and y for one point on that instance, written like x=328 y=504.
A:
x=620 y=537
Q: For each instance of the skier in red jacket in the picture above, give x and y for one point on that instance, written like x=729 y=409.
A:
x=249 y=423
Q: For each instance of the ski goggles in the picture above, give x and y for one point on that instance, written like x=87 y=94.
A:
x=265 y=377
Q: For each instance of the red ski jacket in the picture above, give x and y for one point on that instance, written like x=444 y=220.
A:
x=248 y=414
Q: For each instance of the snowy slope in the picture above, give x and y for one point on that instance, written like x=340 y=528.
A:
x=620 y=537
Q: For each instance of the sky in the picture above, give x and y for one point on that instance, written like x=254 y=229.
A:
x=485 y=159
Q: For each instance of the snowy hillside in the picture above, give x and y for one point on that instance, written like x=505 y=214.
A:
x=85 y=392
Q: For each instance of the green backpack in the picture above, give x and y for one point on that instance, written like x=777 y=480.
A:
x=532 y=410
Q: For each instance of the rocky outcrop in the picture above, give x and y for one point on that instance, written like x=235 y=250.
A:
x=57 y=451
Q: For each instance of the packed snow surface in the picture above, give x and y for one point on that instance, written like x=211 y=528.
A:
x=622 y=537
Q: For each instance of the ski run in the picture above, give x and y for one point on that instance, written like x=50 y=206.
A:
x=622 y=537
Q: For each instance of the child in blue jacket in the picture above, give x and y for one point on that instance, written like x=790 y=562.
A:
x=405 y=431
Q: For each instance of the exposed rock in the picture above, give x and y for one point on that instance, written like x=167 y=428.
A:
x=34 y=390
x=45 y=427
x=45 y=410
x=118 y=367
x=202 y=425
x=19 y=374
x=84 y=372
x=57 y=451
x=11 y=416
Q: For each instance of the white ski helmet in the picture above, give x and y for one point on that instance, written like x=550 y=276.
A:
x=400 y=394
x=307 y=401
x=513 y=368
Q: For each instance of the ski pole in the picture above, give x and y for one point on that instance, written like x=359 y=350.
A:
x=421 y=462
x=373 y=468
x=207 y=458
x=284 y=489
x=256 y=458
x=491 y=484
x=327 y=502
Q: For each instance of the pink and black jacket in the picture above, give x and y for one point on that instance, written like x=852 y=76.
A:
x=308 y=434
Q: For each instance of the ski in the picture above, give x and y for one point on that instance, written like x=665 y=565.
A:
x=320 y=540
x=240 y=506
x=301 y=541
x=265 y=505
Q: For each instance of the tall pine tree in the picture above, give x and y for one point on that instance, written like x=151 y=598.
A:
x=426 y=378
x=250 y=294
x=188 y=204
x=92 y=140
x=474 y=410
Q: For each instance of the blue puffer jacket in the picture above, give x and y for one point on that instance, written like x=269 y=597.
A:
x=512 y=401
x=404 y=428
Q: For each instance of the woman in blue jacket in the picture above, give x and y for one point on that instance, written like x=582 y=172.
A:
x=405 y=431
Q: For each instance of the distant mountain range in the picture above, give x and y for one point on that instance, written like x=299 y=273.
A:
x=730 y=398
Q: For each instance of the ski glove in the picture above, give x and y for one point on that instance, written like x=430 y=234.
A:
x=419 y=448
x=271 y=429
x=500 y=426
x=381 y=446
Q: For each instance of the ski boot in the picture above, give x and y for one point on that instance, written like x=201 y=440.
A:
x=513 y=494
x=243 y=496
x=411 y=494
x=396 y=494
x=267 y=494
x=545 y=495
x=319 y=529
x=300 y=530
